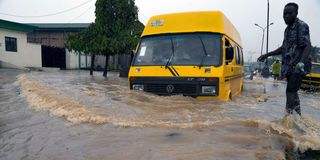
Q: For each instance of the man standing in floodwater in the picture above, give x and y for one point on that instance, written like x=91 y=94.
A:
x=295 y=49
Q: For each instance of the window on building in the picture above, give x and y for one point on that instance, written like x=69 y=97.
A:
x=11 y=44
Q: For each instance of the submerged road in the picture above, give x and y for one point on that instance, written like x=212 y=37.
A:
x=70 y=115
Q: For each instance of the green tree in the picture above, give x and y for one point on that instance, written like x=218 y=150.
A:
x=116 y=30
x=116 y=20
x=85 y=43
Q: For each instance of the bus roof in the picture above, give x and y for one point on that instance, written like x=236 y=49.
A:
x=188 y=22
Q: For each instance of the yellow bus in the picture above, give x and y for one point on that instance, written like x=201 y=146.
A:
x=311 y=82
x=195 y=54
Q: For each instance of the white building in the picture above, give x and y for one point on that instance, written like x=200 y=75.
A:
x=39 y=45
x=15 y=51
x=43 y=45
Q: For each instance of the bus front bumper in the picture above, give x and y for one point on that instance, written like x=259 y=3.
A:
x=187 y=86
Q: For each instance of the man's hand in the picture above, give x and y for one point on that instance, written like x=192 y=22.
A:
x=262 y=58
x=299 y=69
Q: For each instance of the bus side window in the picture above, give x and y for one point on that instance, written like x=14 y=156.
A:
x=229 y=50
x=241 y=55
x=237 y=55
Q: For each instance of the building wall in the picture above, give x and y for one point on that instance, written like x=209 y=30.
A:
x=72 y=60
x=27 y=55
x=56 y=39
x=100 y=61
x=53 y=39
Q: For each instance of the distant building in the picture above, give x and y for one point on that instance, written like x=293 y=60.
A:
x=15 y=51
x=53 y=37
x=43 y=45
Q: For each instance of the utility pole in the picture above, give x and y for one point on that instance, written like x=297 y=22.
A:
x=268 y=30
x=263 y=29
x=265 y=71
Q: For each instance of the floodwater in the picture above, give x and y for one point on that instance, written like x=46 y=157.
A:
x=71 y=115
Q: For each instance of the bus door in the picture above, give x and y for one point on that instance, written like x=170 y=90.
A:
x=230 y=68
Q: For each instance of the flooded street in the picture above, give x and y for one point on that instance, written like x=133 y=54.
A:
x=71 y=115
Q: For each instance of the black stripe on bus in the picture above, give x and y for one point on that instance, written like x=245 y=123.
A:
x=172 y=72
x=230 y=78
x=175 y=71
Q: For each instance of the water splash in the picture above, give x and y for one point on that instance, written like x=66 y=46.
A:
x=49 y=99
x=296 y=133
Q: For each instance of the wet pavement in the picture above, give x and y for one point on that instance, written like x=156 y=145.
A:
x=71 y=115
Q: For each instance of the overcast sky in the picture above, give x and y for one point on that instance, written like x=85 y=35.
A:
x=243 y=14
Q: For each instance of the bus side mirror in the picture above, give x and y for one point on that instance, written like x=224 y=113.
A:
x=229 y=54
x=132 y=53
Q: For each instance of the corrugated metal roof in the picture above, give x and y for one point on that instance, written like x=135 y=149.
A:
x=60 y=25
x=16 y=26
x=30 y=27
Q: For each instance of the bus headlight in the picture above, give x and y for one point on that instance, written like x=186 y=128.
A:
x=138 y=87
x=209 y=90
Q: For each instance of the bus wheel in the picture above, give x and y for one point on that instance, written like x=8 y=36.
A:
x=241 y=90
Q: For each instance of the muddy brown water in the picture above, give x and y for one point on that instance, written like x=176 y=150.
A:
x=71 y=115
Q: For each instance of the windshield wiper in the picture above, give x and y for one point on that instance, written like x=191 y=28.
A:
x=169 y=60
x=172 y=70
x=205 y=53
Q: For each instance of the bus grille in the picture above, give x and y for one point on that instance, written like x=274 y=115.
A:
x=186 y=89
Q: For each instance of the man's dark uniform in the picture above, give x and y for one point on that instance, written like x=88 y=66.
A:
x=296 y=37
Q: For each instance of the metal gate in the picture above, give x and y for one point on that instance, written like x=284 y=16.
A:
x=53 y=57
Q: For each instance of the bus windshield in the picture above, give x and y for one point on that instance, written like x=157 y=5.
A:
x=181 y=50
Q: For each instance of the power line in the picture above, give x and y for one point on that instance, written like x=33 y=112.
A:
x=81 y=14
x=142 y=17
x=47 y=15
x=143 y=21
